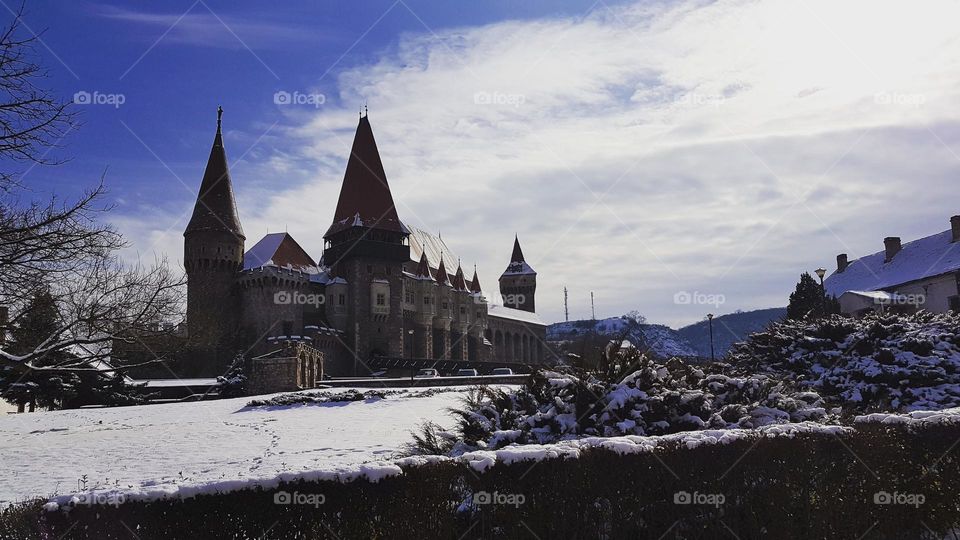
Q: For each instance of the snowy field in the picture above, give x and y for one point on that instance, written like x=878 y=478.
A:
x=167 y=448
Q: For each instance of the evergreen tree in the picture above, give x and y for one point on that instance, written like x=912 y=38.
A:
x=810 y=300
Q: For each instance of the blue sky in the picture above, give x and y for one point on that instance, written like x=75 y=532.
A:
x=650 y=152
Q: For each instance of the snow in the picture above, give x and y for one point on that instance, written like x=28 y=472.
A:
x=162 y=383
x=182 y=449
x=922 y=258
x=503 y=312
x=912 y=419
x=662 y=341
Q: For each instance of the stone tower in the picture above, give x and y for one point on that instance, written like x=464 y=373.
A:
x=366 y=245
x=518 y=284
x=212 y=256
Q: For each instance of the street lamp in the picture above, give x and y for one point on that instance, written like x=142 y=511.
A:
x=710 y=321
x=823 y=292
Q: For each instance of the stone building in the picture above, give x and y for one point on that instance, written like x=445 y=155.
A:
x=382 y=289
x=922 y=274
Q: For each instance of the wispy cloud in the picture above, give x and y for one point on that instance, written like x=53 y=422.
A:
x=721 y=148
x=202 y=28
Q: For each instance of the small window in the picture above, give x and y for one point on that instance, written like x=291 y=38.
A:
x=463 y=310
x=446 y=305
x=381 y=299
x=342 y=299
x=426 y=300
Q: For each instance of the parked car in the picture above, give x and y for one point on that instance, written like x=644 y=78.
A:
x=501 y=371
x=427 y=373
x=466 y=372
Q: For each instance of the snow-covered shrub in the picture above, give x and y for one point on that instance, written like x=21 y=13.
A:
x=877 y=363
x=646 y=398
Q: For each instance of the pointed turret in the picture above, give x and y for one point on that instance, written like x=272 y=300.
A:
x=517 y=255
x=475 y=282
x=216 y=209
x=442 y=277
x=423 y=269
x=518 y=283
x=459 y=282
x=365 y=198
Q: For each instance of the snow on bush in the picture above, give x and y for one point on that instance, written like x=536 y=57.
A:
x=877 y=363
x=651 y=399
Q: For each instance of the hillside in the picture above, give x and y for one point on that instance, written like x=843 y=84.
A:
x=727 y=330
x=665 y=342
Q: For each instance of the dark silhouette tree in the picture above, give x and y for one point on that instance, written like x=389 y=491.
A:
x=810 y=300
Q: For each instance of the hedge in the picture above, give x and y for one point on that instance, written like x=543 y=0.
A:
x=810 y=486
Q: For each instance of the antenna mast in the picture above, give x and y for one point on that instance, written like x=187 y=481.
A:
x=593 y=310
x=566 y=306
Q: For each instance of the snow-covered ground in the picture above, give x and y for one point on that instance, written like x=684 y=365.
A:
x=157 y=449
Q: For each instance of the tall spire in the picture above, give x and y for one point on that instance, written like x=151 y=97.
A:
x=475 y=282
x=216 y=209
x=517 y=255
x=365 y=198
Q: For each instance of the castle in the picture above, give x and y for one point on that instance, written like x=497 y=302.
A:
x=382 y=289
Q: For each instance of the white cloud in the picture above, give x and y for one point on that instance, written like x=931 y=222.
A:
x=721 y=148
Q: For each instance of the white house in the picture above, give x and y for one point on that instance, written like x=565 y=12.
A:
x=922 y=274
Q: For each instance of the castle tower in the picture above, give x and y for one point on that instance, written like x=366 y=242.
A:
x=212 y=255
x=366 y=245
x=518 y=284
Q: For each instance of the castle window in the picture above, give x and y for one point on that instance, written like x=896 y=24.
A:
x=426 y=300
x=381 y=299
x=446 y=305
x=463 y=310
x=342 y=299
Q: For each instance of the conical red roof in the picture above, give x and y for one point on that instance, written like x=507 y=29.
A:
x=216 y=209
x=423 y=269
x=475 y=282
x=517 y=255
x=442 y=277
x=459 y=283
x=365 y=198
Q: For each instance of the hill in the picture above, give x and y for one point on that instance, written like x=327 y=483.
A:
x=662 y=340
x=727 y=330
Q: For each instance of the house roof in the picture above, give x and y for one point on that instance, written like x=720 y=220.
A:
x=365 y=198
x=919 y=259
x=280 y=250
x=215 y=209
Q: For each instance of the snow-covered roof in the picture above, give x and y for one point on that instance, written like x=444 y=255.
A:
x=514 y=314
x=280 y=250
x=435 y=246
x=518 y=268
x=919 y=259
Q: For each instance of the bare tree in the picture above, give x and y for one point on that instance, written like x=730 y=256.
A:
x=32 y=119
x=64 y=247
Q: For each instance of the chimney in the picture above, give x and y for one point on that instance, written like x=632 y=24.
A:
x=955 y=226
x=892 y=246
x=842 y=262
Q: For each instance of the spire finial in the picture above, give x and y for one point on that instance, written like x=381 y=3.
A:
x=219 y=116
